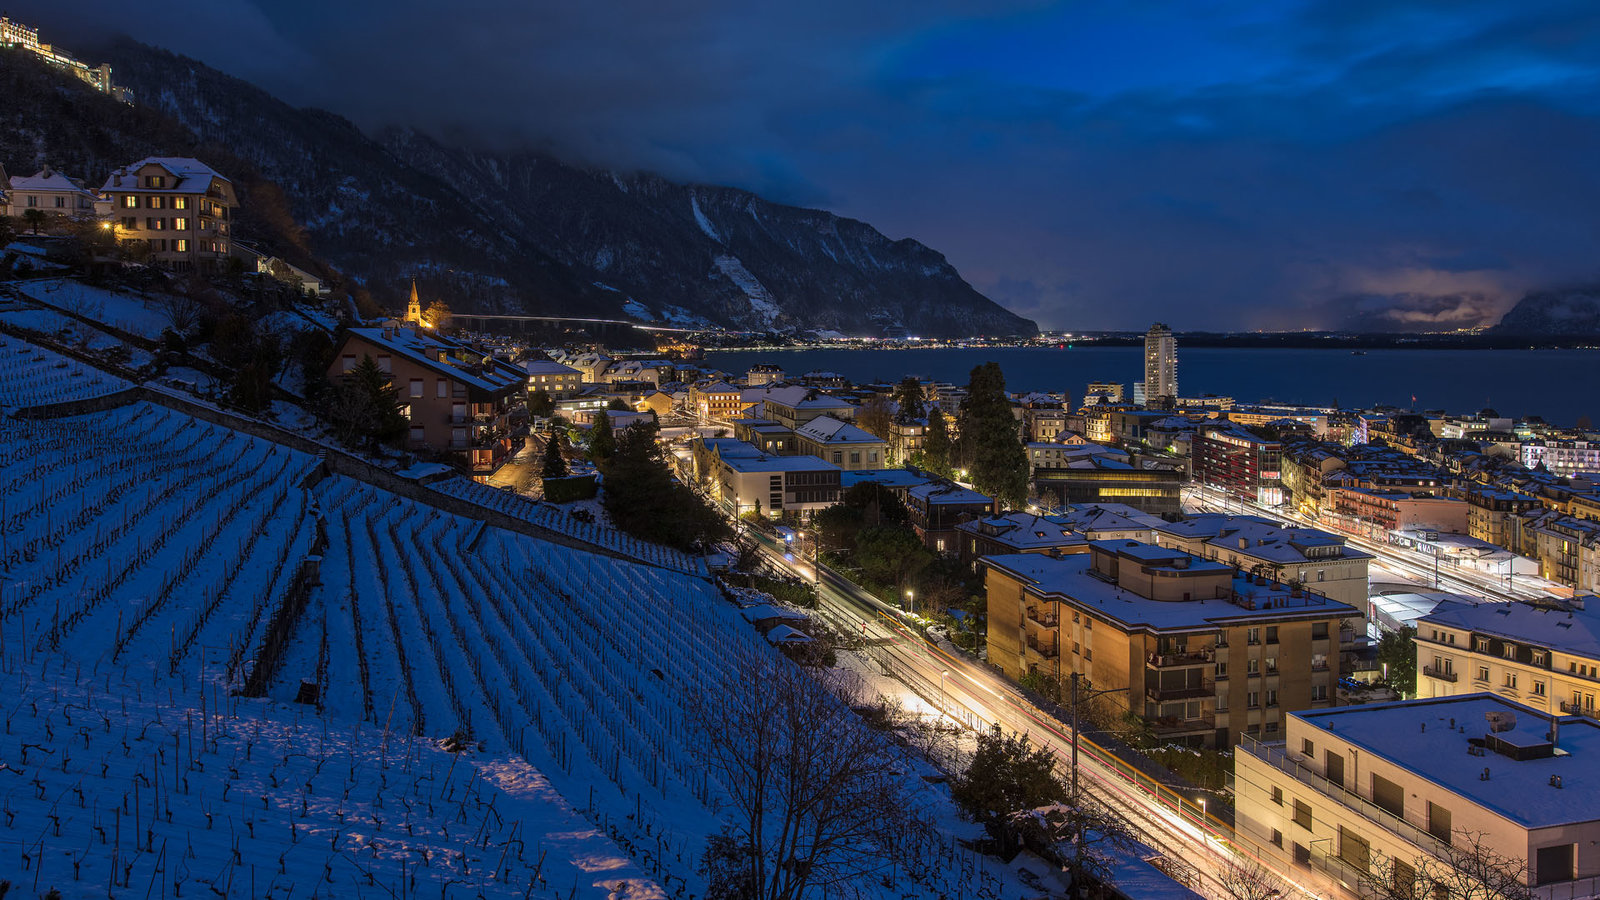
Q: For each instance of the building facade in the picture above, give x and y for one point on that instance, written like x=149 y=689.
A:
x=1200 y=653
x=1243 y=464
x=1160 y=367
x=181 y=208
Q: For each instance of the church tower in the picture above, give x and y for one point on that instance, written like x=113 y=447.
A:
x=414 y=308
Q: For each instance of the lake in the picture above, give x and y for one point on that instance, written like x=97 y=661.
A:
x=1560 y=385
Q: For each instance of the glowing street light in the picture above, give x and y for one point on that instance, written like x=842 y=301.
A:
x=911 y=601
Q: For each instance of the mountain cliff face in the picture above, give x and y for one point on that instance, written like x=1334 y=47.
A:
x=1567 y=312
x=518 y=232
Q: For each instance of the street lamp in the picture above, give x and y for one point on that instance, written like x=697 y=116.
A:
x=911 y=601
x=1090 y=696
x=1204 y=829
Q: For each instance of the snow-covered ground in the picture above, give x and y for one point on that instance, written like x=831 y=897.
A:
x=124 y=311
x=31 y=375
x=152 y=566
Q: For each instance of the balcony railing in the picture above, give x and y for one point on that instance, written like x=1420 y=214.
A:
x=1206 y=688
x=1046 y=649
x=1040 y=617
x=1277 y=756
x=1185 y=658
x=1441 y=674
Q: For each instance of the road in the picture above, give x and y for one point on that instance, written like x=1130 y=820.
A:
x=976 y=696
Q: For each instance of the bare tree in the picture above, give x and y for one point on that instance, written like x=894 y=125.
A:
x=816 y=795
x=1465 y=869
x=1245 y=878
x=182 y=311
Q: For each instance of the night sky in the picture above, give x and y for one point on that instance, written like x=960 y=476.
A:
x=1091 y=165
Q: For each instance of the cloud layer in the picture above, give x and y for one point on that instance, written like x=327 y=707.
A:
x=1213 y=164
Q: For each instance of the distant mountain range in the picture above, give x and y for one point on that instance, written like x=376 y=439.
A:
x=1566 y=312
x=495 y=231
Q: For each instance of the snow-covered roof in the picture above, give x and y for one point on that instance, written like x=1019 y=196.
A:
x=783 y=634
x=190 y=176
x=765 y=611
x=828 y=430
x=939 y=493
x=546 y=367
x=445 y=356
x=890 y=478
x=46 y=180
x=1089 y=518
x=1416 y=736
x=717 y=387
x=1070 y=577
x=795 y=396
x=1023 y=531
x=1575 y=631
x=765 y=463
x=1263 y=538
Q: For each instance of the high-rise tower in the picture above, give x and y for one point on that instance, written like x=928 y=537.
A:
x=1160 y=366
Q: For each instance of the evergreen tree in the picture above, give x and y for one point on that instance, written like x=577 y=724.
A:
x=602 y=443
x=990 y=445
x=366 y=409
x=554 y=465
x=1006 y=776
x=936 y=443
x=909 y=397
x=540 y=404
x=643 y=500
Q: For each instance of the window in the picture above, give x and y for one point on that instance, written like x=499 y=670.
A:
x=1509 y=651
x=1439 y=822
x=1308 y=748
x=1541 y=657
x=1252 y=700
x=155 y=181
x=181 y=245
x=1277 y=795
x=1511 y=680
x=1272 y=728
x=416 y=387
x=61 y=202
x=1272 y=634
x=1354 y=849
x=131 y=223
x=131 y=201
x=417 y=434
x=349 y=362
x=180 y=224
x=1272 y=699
x=1222 y=670
x=1272 y=665
x=1253 y=636
x=1277 y=838
x=180 y=202
x=1481 y=645
x=155 y=224
x=1538 y=688
x=385 y=364
x=154 y=203
x=1252 y=667
x=838 y=457
x=442 y=389
x=1302 y=814
x=1319 y=631
x=1319 y=692
x=1483 y=673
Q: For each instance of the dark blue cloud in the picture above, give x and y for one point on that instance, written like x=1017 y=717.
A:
x=1212 y=163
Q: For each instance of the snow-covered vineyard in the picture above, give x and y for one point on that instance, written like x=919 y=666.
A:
x=232 y=672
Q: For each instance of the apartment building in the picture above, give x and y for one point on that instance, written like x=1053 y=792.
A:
x=1320 y=561
x=1198 y=651
x=1243 y=464
x=1016 y=532
x=1376 y=513
x=715 y=401
x=1391 y=793
x=743 y=479
x=60 y=198
x=1102 y=392
x=1492 y=514
x=763 y=373
x=937 y=508
x=842 y=444
x=459 y=400
x=1563 y=457
x=1102 y=478
x=1544 y=655
x=555 y=379
x=180 y=207
x=794 y=405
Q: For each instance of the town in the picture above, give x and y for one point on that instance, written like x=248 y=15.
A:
x=303 y=583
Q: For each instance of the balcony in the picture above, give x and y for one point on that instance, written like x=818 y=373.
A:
x=1046 y=649
x=1441 y=674
x=1206 y=688
x=1173 y=725
x=1182 y=658
x=1573 y=709
x=1040 y=617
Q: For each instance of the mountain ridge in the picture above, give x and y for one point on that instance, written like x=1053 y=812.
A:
x=519 y=232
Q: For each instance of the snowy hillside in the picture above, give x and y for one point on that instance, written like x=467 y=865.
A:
x=234 y=671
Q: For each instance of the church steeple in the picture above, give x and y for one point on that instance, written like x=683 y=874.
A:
x=414 y=308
